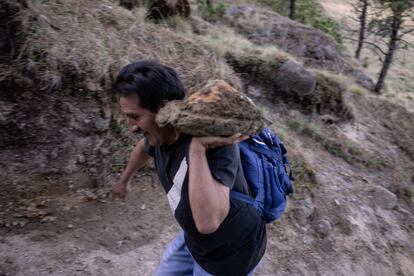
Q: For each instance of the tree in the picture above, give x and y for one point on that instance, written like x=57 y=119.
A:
x=361 y=8
x=391 y=22
x=292 y=9
x=208 y=3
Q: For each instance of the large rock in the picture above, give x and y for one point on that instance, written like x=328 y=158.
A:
x=303 y=210
x=361 y=78
x=257 y=68
x=283 y=79
x=294 y=79
x=323 y=228
x=215 y=109
x=384 y=198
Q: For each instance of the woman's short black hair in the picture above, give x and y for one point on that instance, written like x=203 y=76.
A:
x=151 y=81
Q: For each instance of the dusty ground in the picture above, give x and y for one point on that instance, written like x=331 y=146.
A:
x=91 y=238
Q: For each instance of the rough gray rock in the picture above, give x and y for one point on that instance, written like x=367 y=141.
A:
x=323 y=228
x=329 y=119
x=295 y=80
x=216 y=109
x=285 y=80
x=102 y=124
x=254 y=92
x=384 y=198
x=362 y=79
x=303 y=211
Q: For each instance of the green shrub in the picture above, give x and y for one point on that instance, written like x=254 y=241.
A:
x=211 y=12
x=365 y=62
x=408 y=192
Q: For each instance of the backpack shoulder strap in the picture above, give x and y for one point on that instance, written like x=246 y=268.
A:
x=265 y=151
x=241 y=197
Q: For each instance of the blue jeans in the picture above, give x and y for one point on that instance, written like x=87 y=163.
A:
x=177 y=261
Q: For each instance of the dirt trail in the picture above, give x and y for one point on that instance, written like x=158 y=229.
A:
x=93 y=238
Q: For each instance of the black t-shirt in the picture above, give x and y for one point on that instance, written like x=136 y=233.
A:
x=237 y=246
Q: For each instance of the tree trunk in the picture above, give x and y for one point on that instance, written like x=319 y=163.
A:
x=208 y=2
x=392 y=47
x=292 y=14
x=362 y=27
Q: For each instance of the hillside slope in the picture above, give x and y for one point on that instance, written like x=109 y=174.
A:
x=64 y=143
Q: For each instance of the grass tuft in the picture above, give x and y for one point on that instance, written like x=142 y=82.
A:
x=301 y=162
x=357 y=90
x=179 y=24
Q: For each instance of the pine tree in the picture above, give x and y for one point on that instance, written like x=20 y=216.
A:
x=361 y=8
x=390 y=23
x=292 y=9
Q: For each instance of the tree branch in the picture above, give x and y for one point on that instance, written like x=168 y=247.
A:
x=353 y=19
x=380 y=40
x=376 y=47
x=368 y=43
x=379 y=56
x=407 y=43
x=403 y=33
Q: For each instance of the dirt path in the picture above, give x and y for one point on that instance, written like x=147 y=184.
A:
x=93 y=238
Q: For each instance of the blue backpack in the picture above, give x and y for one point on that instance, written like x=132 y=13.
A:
x=265 y=167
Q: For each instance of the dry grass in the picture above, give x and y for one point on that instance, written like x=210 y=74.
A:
x=396 y=119
x=179 y=24
x=337 y=144
x=330 y=95
x=302 y=165
x=223 y=40
x=72 y=42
